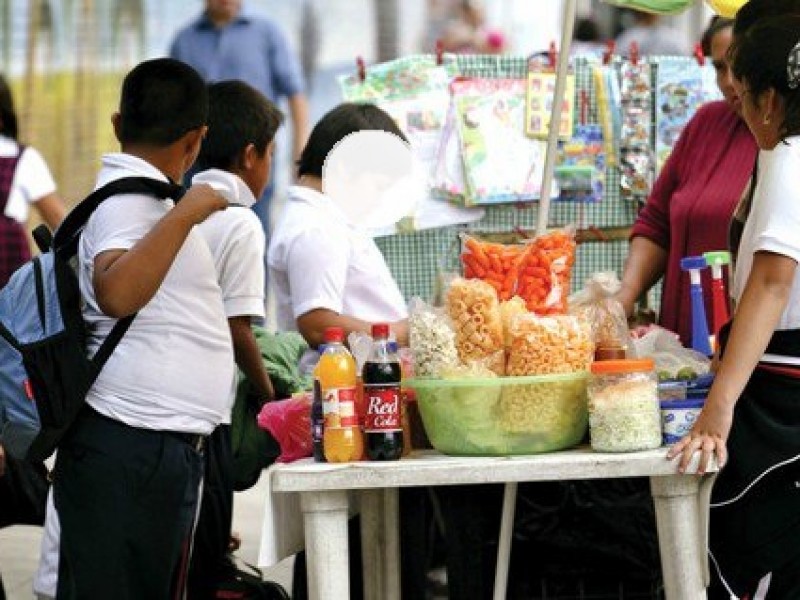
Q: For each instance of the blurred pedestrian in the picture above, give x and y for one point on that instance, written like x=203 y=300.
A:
x=653 y=36
x=229 y=42
x=25 y=181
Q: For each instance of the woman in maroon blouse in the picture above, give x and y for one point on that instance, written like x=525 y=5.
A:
x=691 y=204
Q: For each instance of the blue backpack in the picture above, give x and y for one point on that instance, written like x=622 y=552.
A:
x=45 y=372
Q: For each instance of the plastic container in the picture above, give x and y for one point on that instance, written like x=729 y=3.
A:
x=342 y=439
x=624 y=414
x=503 y=416
x=678 y=417
x=672 y=390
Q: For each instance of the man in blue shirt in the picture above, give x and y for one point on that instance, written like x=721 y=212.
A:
x=228 y=42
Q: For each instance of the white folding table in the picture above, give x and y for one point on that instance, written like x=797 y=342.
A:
x=326 y=493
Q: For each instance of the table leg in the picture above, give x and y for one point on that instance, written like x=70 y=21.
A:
x=504 y=544
x=380 y=546
x=679 y=536
x=325 y=522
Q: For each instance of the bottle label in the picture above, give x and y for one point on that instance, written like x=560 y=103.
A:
x=383 y=407
x=339 y=407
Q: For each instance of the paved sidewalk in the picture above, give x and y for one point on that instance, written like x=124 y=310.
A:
x=19 y=546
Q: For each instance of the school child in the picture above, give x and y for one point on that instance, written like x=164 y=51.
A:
x=127 y=476
x=235 y=159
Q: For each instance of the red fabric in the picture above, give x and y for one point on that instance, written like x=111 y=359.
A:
x=691 y=204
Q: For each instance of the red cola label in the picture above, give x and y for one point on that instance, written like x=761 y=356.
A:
x=382 y=408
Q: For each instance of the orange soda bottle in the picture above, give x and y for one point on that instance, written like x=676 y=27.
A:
x=342 y=439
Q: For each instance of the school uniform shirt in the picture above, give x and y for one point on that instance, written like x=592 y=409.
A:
x=32 y=179
x=237 y=243
x=174 y=369
x=318 y=260
x=774 y=221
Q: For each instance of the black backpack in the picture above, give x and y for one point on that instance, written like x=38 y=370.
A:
x=45 y=373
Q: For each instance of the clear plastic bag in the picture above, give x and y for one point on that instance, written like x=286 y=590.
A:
x=596 y=303
x=673 y=361
x=474 y=310
x=547 y=345
x=432 y=339
x=545 y=271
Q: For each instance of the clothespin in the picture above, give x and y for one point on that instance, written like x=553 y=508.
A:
x=361 y=69
x=699 y=55
x=633 y=55
x=439 y=52
x=610 y=47
x=552 y=54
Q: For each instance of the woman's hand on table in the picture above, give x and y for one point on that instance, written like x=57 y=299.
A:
x=708 y=436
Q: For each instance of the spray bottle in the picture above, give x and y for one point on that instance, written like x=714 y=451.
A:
x=720 y=314
x=700 y=337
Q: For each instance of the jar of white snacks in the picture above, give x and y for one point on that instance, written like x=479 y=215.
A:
x=624 y=414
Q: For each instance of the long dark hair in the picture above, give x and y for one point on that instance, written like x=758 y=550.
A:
x=8 y=117
x=760 y=61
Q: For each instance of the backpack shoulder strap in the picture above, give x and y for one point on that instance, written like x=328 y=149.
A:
x=65 y=241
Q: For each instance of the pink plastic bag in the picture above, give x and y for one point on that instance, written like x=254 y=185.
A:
x=289 y=422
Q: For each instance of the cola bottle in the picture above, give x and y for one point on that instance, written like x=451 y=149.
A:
x=381 y=376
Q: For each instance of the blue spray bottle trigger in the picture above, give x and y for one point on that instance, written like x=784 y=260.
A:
x=700 y=338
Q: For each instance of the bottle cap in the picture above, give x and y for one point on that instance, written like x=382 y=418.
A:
x=334 y=334
x=380 y=330
x=630 y=365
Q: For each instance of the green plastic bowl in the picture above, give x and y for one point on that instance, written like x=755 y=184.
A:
x=505 y=415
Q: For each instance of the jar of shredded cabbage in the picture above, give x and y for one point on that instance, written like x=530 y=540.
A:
x=624 y=412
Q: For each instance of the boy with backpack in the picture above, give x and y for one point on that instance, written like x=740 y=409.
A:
x=128 y=472
x=235 y=159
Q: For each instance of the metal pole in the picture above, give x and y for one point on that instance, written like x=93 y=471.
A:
x=555 y=114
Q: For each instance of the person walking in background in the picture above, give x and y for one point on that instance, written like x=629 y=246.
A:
x=127 y=476
x=751 y=418
x=228 y=42
x=25 y=181
x=236 y=159
x=653 y=37
x=690 y=207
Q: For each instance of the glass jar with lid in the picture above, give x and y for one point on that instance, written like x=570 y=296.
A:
x=624 y=414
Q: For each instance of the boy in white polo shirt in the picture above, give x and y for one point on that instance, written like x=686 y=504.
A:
x=127 y=476
x=235 y=159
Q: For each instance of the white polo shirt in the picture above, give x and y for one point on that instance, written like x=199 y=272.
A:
x=174 y=368
x=318 y=260
x=774 y=221
x=237 y=243
x=32 y=179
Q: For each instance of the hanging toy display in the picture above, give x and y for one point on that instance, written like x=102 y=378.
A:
x=636 y=154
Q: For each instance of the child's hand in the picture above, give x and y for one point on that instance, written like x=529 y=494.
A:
x=200 y=202
x=709 y=435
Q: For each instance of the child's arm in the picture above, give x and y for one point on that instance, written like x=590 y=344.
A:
x=126 y=280
x=312 y=326
x=763 y=301
x=248 y=357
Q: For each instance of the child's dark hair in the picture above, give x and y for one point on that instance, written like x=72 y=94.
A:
x=8 y=117
x=337 y=124
x=760 y=62
x=161 y=101
x=238 y=115
x=715 y=25
x=755 y=10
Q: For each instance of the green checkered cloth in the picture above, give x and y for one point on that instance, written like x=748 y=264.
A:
x=419 y=259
